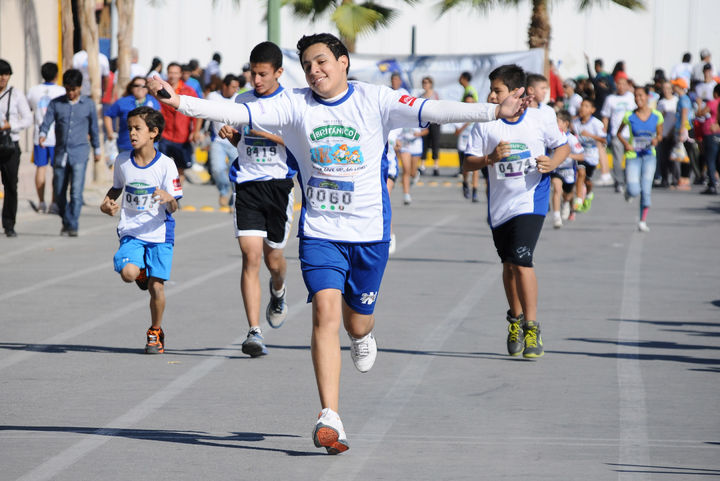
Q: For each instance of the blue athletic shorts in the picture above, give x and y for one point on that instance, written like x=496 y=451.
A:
x=355 y=269
x=43 y=155
x=156 y=258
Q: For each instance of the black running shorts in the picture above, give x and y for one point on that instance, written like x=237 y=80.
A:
x=589 y=169
x=515 y=240
x=264 y=209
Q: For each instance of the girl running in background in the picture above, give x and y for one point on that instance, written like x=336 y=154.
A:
x=645 y=126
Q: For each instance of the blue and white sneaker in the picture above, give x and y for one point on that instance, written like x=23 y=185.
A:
x=253 y=345
x=277 y=310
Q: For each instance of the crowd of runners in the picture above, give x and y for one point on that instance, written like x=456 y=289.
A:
x=345 y=142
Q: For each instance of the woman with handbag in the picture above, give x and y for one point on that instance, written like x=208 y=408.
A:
x=15 y=116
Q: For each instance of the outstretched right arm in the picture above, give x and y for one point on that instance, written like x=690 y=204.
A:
x=226 y=112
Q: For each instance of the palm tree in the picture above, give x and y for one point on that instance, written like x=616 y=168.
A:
x=351 y=19
x=540 y=29
x=68 y=29
x=126 y=20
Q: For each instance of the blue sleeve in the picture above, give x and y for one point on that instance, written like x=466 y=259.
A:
x=114 y=110
x=94 y=137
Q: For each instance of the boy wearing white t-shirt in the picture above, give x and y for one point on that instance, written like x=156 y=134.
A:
x=39 y=98
x=150 y=184
x=518 y=195
x=592 y=137
x=338 y=132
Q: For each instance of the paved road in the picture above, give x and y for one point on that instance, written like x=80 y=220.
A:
x=627 y=390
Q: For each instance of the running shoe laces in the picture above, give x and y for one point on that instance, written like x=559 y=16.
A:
x=276 y=311
x=155 y=341
x=363 y=352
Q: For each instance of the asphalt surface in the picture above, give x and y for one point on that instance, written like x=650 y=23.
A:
x=627 y=389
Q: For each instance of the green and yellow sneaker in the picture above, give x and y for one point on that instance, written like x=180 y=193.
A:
x=515 y=341
x=533 y=341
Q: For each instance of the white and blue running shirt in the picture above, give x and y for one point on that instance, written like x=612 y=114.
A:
x=568 y=167
x=340 y=146
x=260 y=158
x=140 y=216
x=595 y=127
x=515 y=187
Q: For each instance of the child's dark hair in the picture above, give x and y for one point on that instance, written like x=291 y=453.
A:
x=267 y=52
x=331 y=42
x=644 y=88
x=49 y=71
x=466 y=75
x=153 y=118
x=716 y=90
x=5 y=67
x=72 y=78
x=589 y=100
x=513 y=76
x=173 y=64
x=565 y=116
x=534 y=79
x=230 y=78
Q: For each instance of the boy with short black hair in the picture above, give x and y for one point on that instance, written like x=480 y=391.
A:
x=262 y=175
x=341 y=128
x=151 y=186
x=39 y=98
x=519 y=187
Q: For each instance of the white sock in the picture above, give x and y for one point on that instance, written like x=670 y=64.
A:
x=279 y=293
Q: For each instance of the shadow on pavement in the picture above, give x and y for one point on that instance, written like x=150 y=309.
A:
x=644 y=344
x=181 y=437
x=65 y=348
x=639 y=468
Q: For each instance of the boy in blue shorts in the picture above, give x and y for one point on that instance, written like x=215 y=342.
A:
x=338 y=132
x=518 y=190
x=151 y=187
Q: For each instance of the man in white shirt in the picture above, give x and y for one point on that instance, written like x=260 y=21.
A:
x=338 y=131
x=15 y=116
x=612 y=113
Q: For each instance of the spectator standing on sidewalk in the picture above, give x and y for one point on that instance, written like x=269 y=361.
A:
x=15 y=116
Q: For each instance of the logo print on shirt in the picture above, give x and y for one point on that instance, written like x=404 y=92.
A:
x=334 y=131
x=176 y=184
x=337 y=158
x=368 y=297
x=407 y=100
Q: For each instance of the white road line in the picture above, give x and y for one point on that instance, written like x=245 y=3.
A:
x=88 y=270
x=633 y=447
x=390 y=408
x=402 y=243
x=115 y=314
x=63 y=460
x=44 y=244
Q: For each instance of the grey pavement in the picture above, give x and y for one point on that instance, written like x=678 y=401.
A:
x=627 y=389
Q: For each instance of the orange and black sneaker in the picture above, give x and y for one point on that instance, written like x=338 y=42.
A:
x=142 y=280
x=155 y=341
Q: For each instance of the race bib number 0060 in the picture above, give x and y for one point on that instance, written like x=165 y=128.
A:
x=327 y=195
